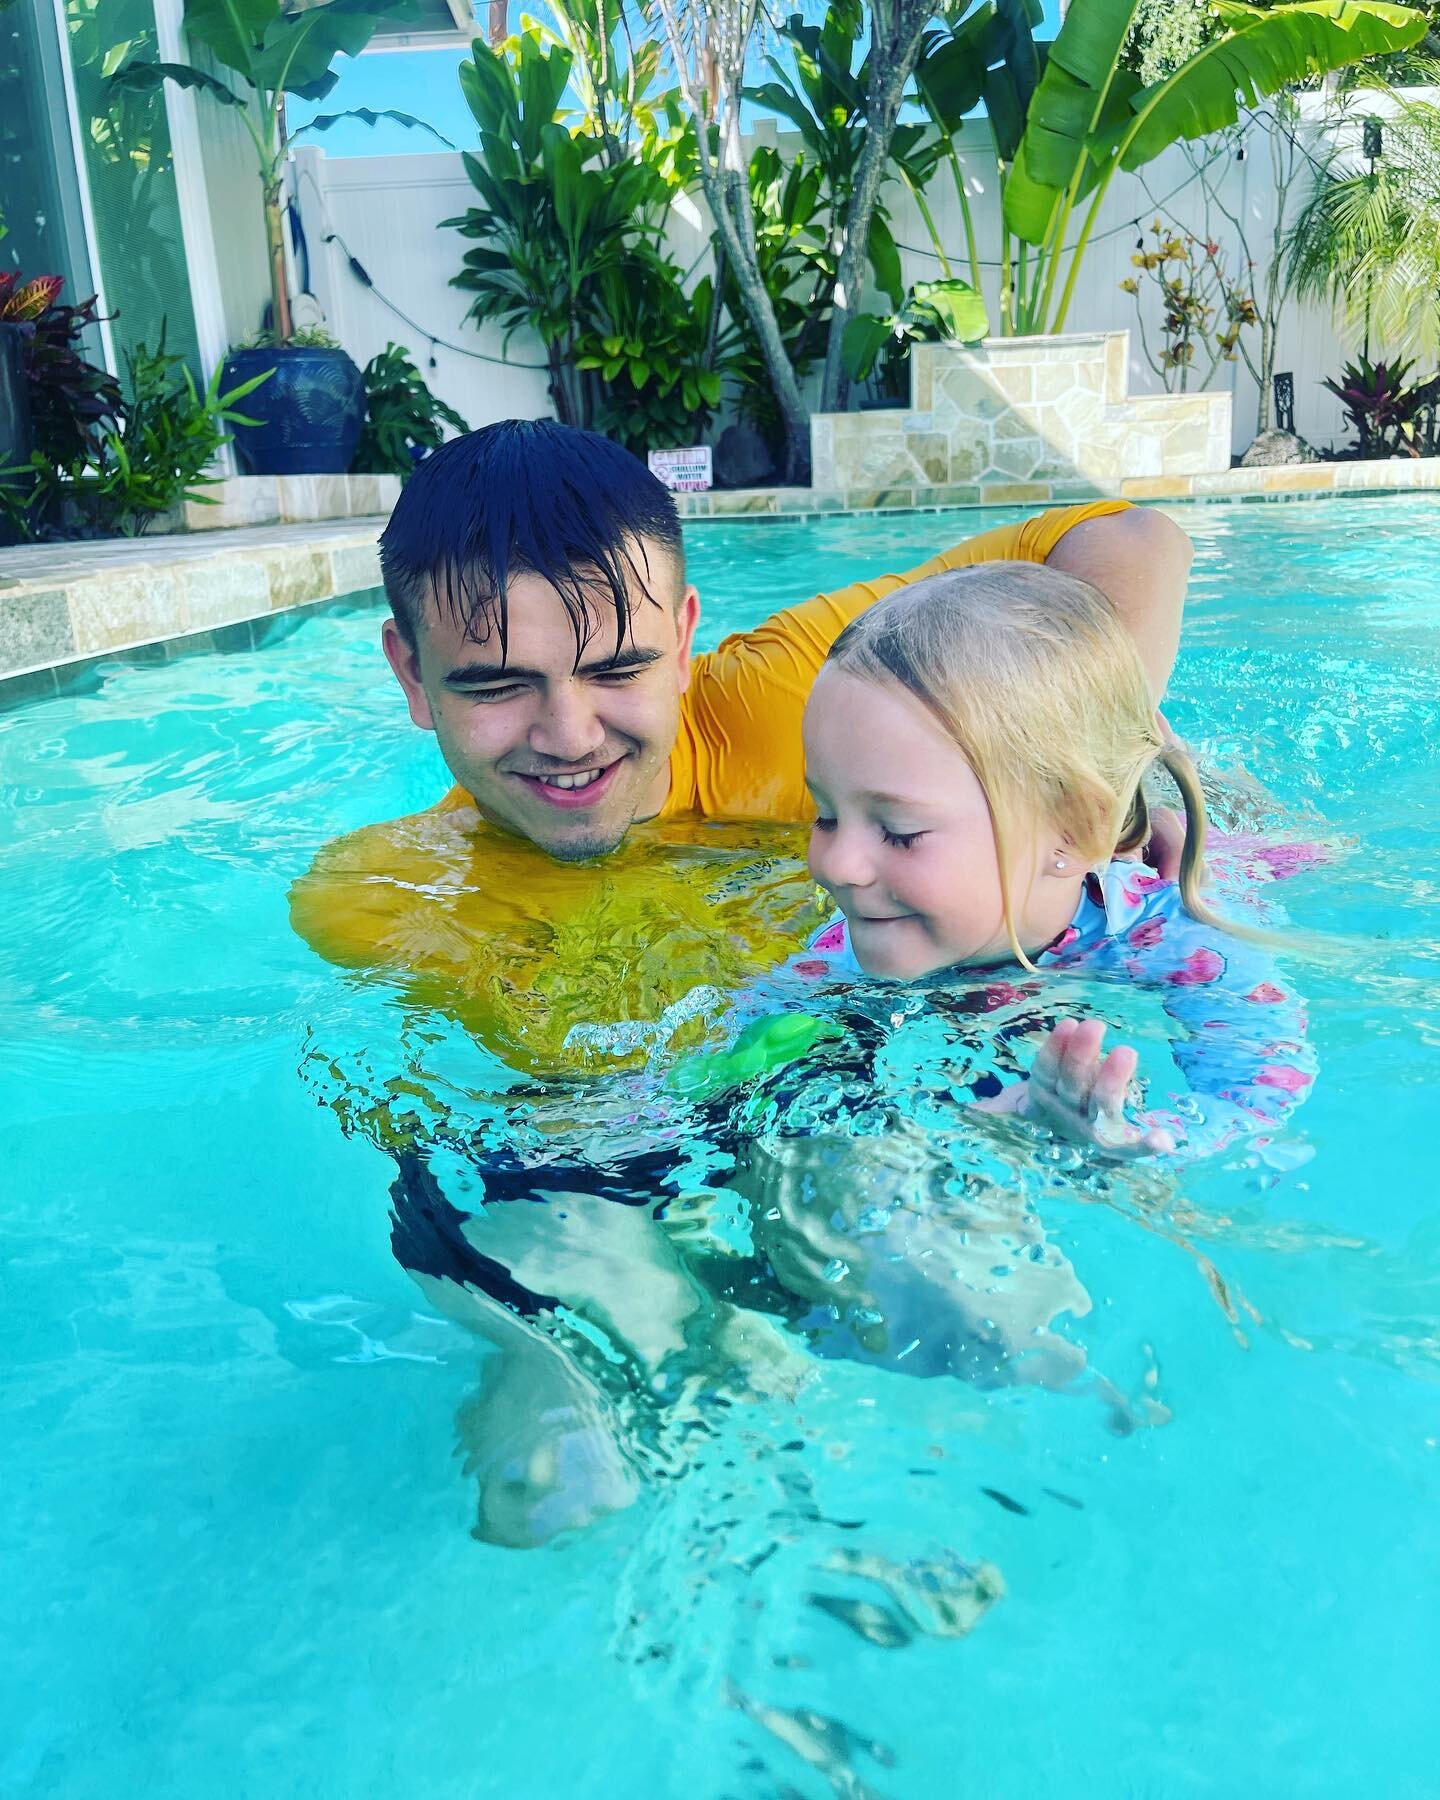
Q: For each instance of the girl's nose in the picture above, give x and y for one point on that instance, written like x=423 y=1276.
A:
x=840 y=859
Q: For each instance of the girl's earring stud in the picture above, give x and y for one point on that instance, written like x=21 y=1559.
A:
x=1059 y=865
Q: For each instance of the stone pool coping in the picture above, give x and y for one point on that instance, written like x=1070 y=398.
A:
x=1292 y=481
x=66 y=607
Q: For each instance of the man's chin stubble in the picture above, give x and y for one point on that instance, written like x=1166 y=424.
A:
x=586 y=849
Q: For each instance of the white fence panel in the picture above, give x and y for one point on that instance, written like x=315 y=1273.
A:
x=387 y=211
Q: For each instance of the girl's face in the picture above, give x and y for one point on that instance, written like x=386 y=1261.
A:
x=904 y=844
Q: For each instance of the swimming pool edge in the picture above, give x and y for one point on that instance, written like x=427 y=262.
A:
x=159 y=598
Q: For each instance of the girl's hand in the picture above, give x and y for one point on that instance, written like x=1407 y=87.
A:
x=1079 y=1094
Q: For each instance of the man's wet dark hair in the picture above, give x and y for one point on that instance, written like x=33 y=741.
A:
x=527 y=496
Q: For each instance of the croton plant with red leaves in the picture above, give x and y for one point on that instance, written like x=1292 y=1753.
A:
x=72 y=403
x=28 y=301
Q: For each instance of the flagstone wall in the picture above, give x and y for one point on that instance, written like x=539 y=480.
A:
x=1022 y=419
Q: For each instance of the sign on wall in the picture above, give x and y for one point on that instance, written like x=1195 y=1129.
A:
x=684 y=471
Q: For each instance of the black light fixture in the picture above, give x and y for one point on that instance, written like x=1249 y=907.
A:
x=1284 y=386
x=1374 y=139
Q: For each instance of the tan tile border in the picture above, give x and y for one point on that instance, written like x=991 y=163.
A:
x=87 y=604
x=1393 y=475
x=78 y=608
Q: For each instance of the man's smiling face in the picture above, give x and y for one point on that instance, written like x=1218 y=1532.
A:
x=566 y=752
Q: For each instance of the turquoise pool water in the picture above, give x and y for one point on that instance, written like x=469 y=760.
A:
x=235 y=1530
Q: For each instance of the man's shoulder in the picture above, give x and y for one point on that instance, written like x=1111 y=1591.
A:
x=400 y=846
x=348 y=903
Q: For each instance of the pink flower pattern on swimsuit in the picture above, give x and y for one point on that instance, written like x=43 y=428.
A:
x=1138 y=886
x=1282 y=1076
x=1200 y=966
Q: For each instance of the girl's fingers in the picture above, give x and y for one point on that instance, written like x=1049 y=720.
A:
x=1046 y=1069
x=1112 y=1081
x=1080 y=1063
x=1081 y=1094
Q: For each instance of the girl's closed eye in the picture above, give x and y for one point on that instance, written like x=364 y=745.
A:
x=823 y=824
x=901 y=840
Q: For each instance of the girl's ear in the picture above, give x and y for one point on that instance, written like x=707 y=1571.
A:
x=1063 y=861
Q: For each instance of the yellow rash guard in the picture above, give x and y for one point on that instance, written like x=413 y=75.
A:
x=483 y=926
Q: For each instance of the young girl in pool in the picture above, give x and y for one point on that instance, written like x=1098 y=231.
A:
x=977 y=745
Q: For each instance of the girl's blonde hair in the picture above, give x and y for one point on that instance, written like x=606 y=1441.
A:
x=1040 y=686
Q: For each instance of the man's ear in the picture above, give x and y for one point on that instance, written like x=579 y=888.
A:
x=687 y=617
x=404 y=658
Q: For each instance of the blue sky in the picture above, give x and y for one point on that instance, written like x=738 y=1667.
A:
x=424 y=83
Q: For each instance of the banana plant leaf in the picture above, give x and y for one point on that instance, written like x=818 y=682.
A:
x=299 y=48
x=988 y=57
x=323 y=122
x=271 y=49
x=1016 y=65
x=1264 y=52
x=1066 y=108
x=960 y=309
x=233 y=29
x=145 y=77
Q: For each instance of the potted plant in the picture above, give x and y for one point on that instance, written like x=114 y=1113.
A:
x=314 y=404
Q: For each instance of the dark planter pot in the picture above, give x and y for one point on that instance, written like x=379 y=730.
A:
x=15 y=439
x=311 y=411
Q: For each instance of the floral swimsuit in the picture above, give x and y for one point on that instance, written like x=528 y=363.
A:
x=1241 y=1047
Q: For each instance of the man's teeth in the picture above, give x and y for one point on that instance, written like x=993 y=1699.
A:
x=583 y=779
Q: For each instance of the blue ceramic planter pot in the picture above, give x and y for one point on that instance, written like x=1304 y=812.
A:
x=311 y=410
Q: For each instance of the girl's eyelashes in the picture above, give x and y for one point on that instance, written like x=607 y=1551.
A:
x=897 y=840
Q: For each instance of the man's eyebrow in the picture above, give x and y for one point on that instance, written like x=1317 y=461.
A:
x=478 y=674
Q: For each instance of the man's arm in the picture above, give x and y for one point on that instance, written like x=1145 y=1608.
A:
x=1141 y=561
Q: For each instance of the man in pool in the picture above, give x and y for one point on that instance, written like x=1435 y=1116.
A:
x=626 y=833
x=543 y=629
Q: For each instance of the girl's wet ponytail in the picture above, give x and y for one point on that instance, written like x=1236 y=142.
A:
x=1177 y=764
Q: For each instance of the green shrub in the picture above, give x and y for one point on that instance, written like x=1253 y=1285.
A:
x=152 y=455
x=402 y=416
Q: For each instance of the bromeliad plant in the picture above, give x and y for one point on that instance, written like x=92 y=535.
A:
x=404 y=421
x=1391 y=416
x=277 y=50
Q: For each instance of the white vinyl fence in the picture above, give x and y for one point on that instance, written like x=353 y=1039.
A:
x=385 y=212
